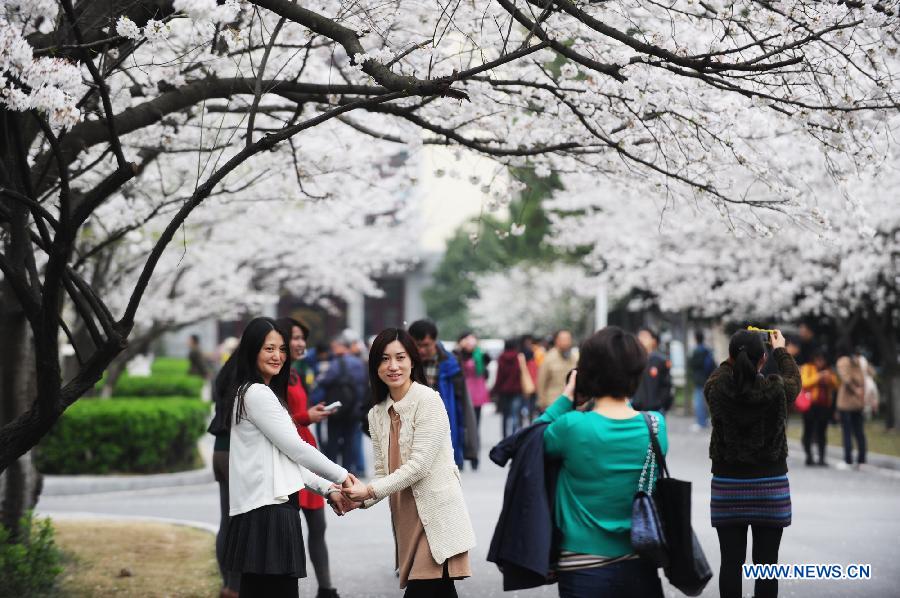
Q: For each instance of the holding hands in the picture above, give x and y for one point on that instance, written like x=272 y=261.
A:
x=354 y=489
x=339 y=503
x=345 y=497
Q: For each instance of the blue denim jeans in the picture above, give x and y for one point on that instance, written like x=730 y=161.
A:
x=627 y=579
x=700 y=413
x=511 y=408
x=852 y=426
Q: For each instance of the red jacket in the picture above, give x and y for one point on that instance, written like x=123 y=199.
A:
x=298 y=408
x=509 y=374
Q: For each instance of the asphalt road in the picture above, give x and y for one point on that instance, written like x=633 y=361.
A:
x=840 y=517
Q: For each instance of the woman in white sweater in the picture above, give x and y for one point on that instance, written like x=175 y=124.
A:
x=268 y=465
x=415 y=470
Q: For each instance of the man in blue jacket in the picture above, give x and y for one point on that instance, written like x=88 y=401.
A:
x=345 y=380
x=702 y=365
x=444 y=374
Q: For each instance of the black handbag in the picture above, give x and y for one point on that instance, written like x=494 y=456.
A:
x=647 y=536
x=687 y=568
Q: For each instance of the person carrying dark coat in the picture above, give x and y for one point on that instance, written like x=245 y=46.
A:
x=748 y=449
x=524 y=544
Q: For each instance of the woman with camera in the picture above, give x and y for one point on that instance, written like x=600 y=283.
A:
x=602 y=443
x=748 y=448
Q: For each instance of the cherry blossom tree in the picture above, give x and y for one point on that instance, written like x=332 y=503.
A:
x=760 y=268
x=681 y=98
x=533 y=299
x=318 y=250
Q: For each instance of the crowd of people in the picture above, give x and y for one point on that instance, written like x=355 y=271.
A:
x=561 y=407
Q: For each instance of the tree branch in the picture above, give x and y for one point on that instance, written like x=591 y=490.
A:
x=206 y=188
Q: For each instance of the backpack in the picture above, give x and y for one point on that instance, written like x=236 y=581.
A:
x=699 y=364
x=343 y=389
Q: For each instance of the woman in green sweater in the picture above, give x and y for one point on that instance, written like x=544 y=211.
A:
x=603 y=444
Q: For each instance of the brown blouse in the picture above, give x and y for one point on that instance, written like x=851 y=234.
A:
x=413 y=552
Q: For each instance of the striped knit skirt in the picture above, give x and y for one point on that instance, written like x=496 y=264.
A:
x=752 y=501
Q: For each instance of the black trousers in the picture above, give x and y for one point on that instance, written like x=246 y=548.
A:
x=230 y=579
x=340 y=445
x=815 y=429
x=254 y=585
x=429 y=588
x=733 y=549
x=318 y=550
x=852 y=425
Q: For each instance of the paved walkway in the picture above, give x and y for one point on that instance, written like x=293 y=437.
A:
x=840 y=517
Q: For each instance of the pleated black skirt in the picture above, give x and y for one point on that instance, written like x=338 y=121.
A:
x=267 y=541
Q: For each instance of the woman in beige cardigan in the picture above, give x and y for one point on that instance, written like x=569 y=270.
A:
x=414 y=469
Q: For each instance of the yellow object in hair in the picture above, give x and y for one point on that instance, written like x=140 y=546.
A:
x=755 y=329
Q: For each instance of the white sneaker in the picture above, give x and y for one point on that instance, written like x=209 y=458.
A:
x=841 y=466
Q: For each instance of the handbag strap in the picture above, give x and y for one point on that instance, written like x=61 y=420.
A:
x=649 y=472
x=654 y=444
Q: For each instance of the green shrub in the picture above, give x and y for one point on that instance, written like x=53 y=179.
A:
x=124 y=436
x=169 y=365
x=30 y=567
x=149 y=398
x=158 y=385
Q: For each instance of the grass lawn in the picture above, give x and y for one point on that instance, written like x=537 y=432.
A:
x=878 y=440
x=135 y=559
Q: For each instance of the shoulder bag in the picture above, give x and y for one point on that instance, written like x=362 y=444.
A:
x=687 y=568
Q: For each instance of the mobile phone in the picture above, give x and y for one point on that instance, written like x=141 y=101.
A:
x=333 y=406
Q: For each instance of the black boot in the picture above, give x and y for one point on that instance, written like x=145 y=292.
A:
x=327 y=593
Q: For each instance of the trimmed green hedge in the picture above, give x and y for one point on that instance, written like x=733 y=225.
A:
x=158 y=385
x=124 y=436
x=148 y=398
x=169 y=365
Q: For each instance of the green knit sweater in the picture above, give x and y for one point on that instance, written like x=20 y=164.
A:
x=602 y=460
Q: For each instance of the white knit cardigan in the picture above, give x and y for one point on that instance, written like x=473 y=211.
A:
x=428 y=467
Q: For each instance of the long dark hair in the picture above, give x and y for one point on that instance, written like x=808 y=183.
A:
x=746 y=348
x=245 y=372
x=380 y=390
x=223 y=398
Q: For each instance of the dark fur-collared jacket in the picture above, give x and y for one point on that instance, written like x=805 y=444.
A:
x=748 y=438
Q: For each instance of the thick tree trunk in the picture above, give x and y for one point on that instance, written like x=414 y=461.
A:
x=891 y=384
x=885 y=334
x=20 y=484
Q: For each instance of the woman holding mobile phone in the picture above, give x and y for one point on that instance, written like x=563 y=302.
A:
x=312 y=505
x=268 y=466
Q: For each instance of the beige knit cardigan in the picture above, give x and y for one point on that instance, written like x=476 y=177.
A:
x=428 y=468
